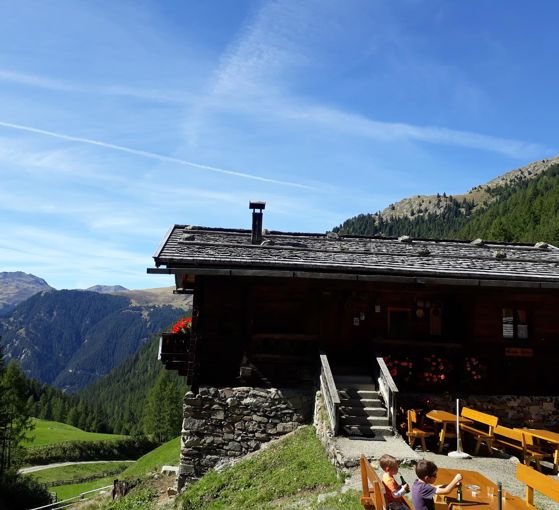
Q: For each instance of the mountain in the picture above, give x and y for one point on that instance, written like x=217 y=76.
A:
x=125 y=409
x=70 y=338
x=106 y=289
x=461 y=216
x=16 y=287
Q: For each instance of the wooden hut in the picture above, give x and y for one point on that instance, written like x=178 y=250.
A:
x=477 y=315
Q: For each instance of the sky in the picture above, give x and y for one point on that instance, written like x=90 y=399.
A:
x=121 y=119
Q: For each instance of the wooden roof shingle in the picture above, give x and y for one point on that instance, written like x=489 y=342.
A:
x=198 y=248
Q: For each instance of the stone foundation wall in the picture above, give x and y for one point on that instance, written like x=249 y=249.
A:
x=512 y=410
x=323 y=431
x=224 y=423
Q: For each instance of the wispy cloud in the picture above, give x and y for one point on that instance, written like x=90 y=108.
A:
x=252 y=79
x=44 y=82
x=151 y=155
x=396 y=131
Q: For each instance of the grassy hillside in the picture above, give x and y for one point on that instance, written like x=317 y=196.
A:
x=52 y=432
x=165 y=455
x=293 y=469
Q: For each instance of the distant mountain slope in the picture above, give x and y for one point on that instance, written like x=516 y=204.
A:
x=106 y=289
x=137 y=374
x=442 y=216
x=70 y=338
x=16 y=287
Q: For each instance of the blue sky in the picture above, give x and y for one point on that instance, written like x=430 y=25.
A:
x=120 y=119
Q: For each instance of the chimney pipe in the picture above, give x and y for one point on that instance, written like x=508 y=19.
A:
x=257 y=208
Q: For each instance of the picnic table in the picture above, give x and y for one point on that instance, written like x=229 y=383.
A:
x=478 y=492
x=444 y=418
x=549 y=437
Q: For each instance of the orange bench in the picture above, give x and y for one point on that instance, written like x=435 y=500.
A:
x=414 y=432
x=515 y=439
x=373 y=492
x=482 y=429
x=535 y=480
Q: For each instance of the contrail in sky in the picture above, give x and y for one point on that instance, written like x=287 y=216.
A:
x=151 y=155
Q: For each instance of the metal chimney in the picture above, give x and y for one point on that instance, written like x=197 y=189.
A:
x=257 y=208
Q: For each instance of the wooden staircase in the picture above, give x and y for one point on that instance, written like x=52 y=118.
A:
x=362 y=411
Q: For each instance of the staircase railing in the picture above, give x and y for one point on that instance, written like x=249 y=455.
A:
x=389 y=392
x=330 y=394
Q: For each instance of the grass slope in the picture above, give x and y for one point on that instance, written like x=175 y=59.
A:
x=78 y=472
x=166 y=454
x=69 y=491
x=284 y=474
x=52 y=432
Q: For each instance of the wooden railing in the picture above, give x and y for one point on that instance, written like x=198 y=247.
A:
x=329 y=393
x=80 y=498
x=389 y=392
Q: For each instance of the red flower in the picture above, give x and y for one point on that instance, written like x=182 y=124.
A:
x=183 y=325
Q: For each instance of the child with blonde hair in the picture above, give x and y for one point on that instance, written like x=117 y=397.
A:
x=394 y=491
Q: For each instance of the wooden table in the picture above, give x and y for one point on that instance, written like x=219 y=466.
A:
x=548 y=437
x=444 y=418
x=477 y=499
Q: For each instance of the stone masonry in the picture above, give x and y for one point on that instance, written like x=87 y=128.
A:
x=221 y=424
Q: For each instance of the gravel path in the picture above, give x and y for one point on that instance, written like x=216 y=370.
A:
x=32 y=469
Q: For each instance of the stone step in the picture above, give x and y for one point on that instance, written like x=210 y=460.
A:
x=362 y=410
x=365 y=420
x=366 y=432
x=364 y=402
x=359 y=393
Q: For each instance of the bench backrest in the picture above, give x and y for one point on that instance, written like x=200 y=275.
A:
x=373 y=489
x=535 y=480
x=487 y=419
x=412 y=419
x=509 y=433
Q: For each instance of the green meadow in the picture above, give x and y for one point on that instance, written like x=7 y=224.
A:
x=52 y=432
x=166 y=454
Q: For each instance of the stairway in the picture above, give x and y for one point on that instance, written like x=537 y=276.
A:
x=362 y=410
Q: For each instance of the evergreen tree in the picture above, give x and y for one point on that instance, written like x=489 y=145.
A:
x=162 y=417
x=15 y=419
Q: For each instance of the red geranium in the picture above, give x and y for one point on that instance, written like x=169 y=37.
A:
x=183 y=325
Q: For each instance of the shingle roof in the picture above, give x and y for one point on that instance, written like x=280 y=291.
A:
x=208 y=248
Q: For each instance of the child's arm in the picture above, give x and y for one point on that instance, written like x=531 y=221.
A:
x=447 y=489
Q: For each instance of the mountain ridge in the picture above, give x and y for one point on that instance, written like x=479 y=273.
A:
x=70 y=338
x=440 y=216
x=17 y=286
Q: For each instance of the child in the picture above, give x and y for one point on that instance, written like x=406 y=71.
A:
x=423 y=491
x=394 y=491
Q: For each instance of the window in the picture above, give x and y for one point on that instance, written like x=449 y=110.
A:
x=515 y=323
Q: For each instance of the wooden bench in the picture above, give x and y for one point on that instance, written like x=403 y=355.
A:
x=414 y=432
x=535 y=480
x=481 y=435
x=373 y=490
x=514 y=439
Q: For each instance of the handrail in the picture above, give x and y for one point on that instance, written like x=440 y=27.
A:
x=330 y=393
x=389 y=391
x=79 y=498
